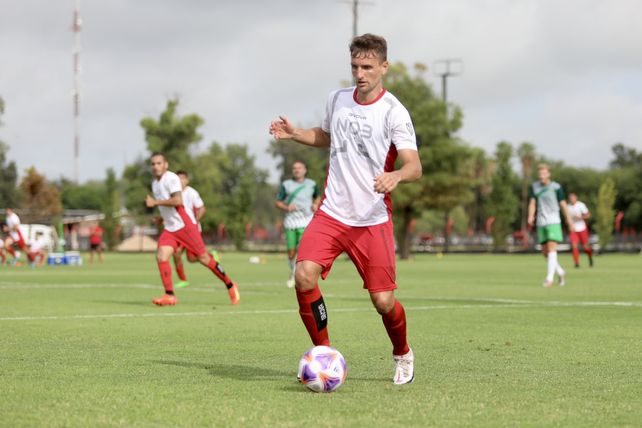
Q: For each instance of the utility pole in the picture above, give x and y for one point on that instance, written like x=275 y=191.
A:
x=76 y=27
x=445 y=68
x=355 y=13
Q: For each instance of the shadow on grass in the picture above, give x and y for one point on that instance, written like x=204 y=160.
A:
x=232 y=371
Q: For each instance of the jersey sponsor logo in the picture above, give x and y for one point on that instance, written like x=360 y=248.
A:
x=356 y=134
x=410 y=128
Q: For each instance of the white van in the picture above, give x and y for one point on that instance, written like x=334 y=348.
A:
x=49 y=234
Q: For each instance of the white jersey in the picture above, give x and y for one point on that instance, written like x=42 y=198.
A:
x=365 y=139
x=13 y=223
x=37 y=245
x=163 y=188
x=192 y=201
x=576 y=211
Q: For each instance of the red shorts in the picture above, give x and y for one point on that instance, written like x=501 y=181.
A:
x=581 y=237
x=371 y=249
x=188 y=237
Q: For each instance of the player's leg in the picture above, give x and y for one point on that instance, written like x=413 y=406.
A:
x=291 y=245
x=584 y=240
x=316 y=253
x=166 y=246
x=373 y=253
x=180 y=268
x=574 y=240
x=191 y=238
x=8 y=244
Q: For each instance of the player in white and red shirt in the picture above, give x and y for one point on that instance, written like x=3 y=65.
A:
x=579 y=213
x=366 y=128
x=179 y=230
x=14 y=236
x=37 y=249
x=195 y=208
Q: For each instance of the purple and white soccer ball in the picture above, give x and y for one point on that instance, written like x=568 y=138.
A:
x=322 y=369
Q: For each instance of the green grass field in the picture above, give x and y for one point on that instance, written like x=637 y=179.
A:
x=84 y=346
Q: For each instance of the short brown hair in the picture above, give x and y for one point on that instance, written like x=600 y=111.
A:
x=543 y=166
x=362 y=45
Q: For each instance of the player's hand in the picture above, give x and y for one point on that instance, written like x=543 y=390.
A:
x=292 y=208
x=150 y=202
x=386 y=182
x=282 y=129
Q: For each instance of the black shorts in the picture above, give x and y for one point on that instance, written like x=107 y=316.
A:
x=96 y=247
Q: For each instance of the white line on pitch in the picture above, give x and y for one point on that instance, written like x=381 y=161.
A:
x=288 y=311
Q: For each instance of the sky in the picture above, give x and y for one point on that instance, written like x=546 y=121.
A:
x=563 y=75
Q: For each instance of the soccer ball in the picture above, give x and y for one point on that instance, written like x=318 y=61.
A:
x=322 y=369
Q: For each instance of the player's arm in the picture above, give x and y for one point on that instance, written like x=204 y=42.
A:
x=531 y=212
x=282 y=129
x=175 y=200
x=200 y=213
x=315 y=204
x=410 y=171
x=567 y=215
x=586 y=215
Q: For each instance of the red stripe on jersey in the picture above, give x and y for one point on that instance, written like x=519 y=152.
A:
x=183 y=215
x=354 y=97
x=389 y=166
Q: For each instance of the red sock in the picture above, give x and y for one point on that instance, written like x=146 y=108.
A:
x=589 y=251
x=395 y=323
x=576 y=255
x=180 y=270
x=166 y=276
x=217 y=269
x=314 y=315
x=4 y=258
x=11 y=251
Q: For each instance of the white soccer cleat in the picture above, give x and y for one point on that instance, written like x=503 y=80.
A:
x=562 y=280
x=404 y=368
x=290 y=281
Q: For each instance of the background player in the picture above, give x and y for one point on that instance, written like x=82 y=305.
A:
x=96 y=243
x=299 y=198
x=14 y=236
x=37 y=250
x=178 y=230
x=579 y=213
x=195 y=208
x=547 y=199
x=366 y=128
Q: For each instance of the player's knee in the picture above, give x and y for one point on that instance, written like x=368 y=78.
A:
x=383 y=304
x=304 y=279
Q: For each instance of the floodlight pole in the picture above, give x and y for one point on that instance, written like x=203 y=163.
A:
x=76 y=27
x=445 y=74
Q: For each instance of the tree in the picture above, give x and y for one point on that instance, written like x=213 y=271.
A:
x=625 y=157
x=110 y=208
x=230 y=183
x=526 y=154
x=41 y=198
x=8 y=173
x=626 y=171
x=287 y=152
x=88 y=196
x=9 y=196
x=503 y=205
x=605 y=212
x=446 y=160
x=173 y=135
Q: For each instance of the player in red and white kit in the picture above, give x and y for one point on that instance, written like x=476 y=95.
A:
x=14 y=236
x=579 y=213
x=179 y=231
x=366 y=128
x=195 y=208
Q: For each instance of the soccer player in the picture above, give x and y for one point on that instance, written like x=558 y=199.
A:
x=96 y=243
x=366 y=129
x=299 y=198
x=547 y=199
x=179 y=230
x=37 y=250
x=14 y=235
x=195 y=207
x=579 y=214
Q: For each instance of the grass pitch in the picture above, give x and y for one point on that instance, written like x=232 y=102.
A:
x=84 y=346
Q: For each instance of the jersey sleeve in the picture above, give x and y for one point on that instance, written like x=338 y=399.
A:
x=531 y=193
x=197 y=201
x=401 y=129
x=315 y=191
x=327 y=118
x=173 y=184
x=282 y=195
x=560 y=194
